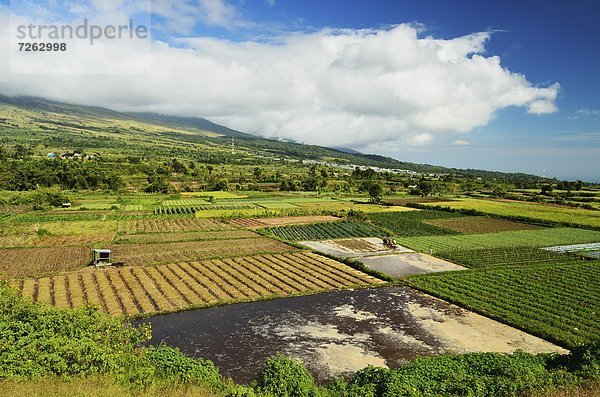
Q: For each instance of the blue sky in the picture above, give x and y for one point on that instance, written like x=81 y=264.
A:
x=548 y=118
x=547 y=41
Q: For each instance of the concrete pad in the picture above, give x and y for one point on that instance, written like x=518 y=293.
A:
x=409 y=264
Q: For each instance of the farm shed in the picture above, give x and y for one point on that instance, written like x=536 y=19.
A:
x=101 y=257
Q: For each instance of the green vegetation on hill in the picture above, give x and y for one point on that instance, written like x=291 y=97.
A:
x=55 y=124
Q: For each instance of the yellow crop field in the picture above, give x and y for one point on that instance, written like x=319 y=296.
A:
x=132 y=291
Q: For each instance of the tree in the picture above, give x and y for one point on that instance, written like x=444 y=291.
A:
x=375 y=192
x=156 y=184
x=257 y=174
x=424 y=188
x=310 y=184
x=547 y=190
x=220 y=185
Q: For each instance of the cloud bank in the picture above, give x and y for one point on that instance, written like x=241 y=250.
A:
x=356 y=87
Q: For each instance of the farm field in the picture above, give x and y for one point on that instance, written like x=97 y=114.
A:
x=160 y=253
x=153 y=238
x=558 y=302
x=257 y=223
x=505 y=257
x=413 y=223
x=325 y=231
x=63 y=227
x=217 y=240
x=22 y=262
x=180 y=209
x=216 y=195
x=542 y=212
x=522 y=238
x=591 y=250
x=177 y=286
x=480 y=224
x=171 y=225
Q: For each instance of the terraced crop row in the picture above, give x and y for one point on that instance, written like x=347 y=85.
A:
x=325 y=231
x=171 y=225
x=185 y=202
x=156 y=238
x=161 y=253
x=250 y=223
x=4 y=216
x=558 y=302
x=255 y=223
x=23 y=262
x=182 y=210
x=142 y=290
x=76 y=217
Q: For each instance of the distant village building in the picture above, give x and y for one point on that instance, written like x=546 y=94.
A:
x=51 y=155
x=66 y=205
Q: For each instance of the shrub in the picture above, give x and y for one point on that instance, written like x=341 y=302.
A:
x=285 y=377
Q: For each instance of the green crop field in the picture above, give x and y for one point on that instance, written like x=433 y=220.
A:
x=324 y=231
x=182 y=209
x=542 y=212
x=411 y=223
x=504 y=257
x=521 y=238
x=558 y=302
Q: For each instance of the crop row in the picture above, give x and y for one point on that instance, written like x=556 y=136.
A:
x=558 y=302
x=133 y=291
x=522 y=238
x=159 y=225
x=25 y=218
x=185 y=202
x=481 y=224
x=504 y=257
x=23 y=262
x=182 y=210
x=159 y=253
x=325 y=231
x=155 y=238
x=412 y=223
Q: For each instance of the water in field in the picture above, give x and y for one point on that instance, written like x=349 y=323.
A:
x=335 y=334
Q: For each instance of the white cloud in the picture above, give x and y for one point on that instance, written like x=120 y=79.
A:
x=183 y=16
x=579 y=137
x=419 y=139
x=461 y=142
x=355 y=88
x=585 y=112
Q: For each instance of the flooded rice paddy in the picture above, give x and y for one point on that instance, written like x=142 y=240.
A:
x=336 y=334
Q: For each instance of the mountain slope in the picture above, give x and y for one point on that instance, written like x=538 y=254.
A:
x=37 y=121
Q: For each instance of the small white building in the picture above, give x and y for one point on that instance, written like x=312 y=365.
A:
x=101 y=257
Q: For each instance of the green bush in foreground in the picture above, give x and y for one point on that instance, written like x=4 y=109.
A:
x=39 y=342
